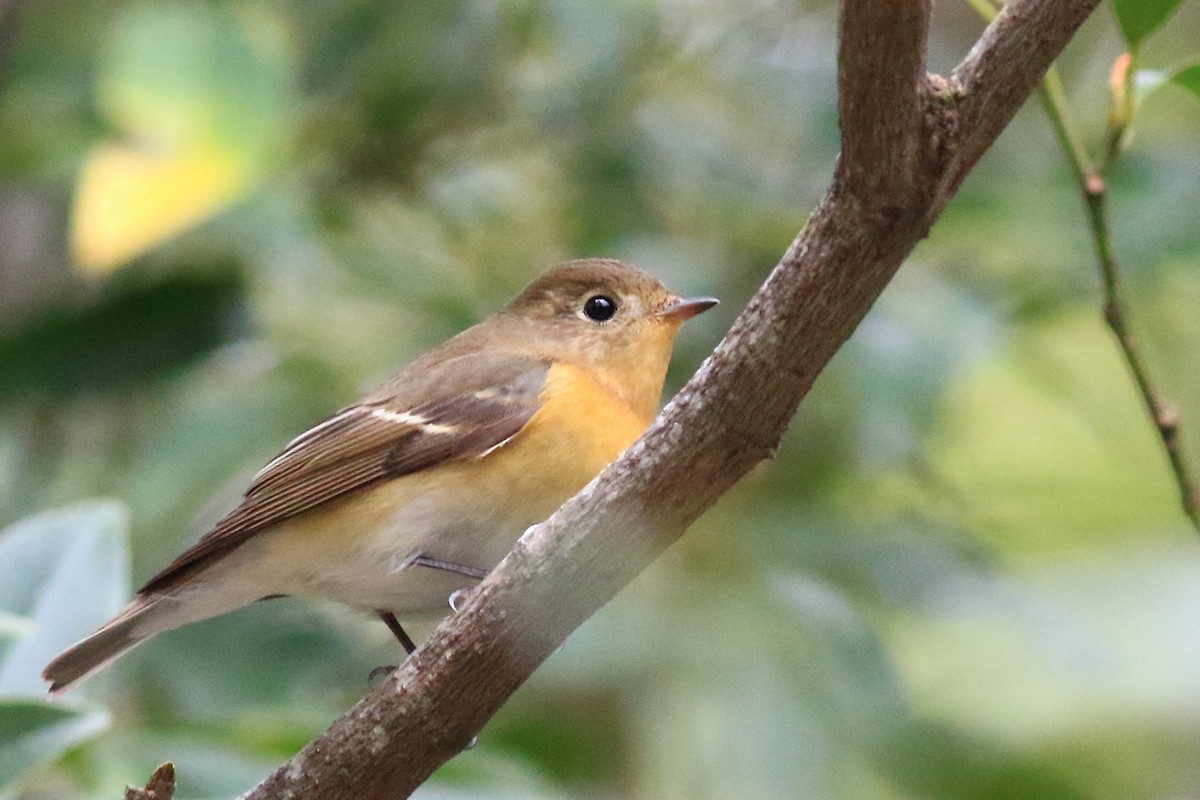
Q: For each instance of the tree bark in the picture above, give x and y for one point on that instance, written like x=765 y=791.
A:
x=908 y=140
x=161 y=786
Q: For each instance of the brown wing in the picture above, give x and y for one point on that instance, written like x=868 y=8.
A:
x=490 y=399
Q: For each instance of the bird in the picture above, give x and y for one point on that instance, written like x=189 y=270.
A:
x=421 y=487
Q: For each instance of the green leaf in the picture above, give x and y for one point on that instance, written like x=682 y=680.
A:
x=67 y=572
x=33 y=732
x=1139 y=18
x=1188 y=78
x=131 y=335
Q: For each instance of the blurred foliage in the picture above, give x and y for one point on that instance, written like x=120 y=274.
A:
x=197 y=99
x=1188 y=78
x=964 y=575
x=1140 y=18
x=61 y=574
x=128 y=336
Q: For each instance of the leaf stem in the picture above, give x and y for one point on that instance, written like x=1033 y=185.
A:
x=1054 y=101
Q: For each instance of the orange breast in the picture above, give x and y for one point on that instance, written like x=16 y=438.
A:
x=468 y=512
x=577 y=431
x=579 y=428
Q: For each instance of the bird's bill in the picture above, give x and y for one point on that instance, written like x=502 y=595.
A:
x=686 y=307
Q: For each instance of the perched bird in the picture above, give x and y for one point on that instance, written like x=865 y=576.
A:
x=423 y=485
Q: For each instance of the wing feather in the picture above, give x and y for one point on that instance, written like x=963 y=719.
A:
x=380 y=438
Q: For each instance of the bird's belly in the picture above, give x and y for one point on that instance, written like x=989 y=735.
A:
x=359 y=550
x=466 y=526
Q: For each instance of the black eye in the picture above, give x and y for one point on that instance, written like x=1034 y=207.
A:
x=600 y=308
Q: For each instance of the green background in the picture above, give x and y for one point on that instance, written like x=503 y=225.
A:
x=963 y=576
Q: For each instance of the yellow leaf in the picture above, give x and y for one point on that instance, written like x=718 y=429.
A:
x=129 y=199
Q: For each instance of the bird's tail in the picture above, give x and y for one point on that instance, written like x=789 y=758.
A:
x=118 y=635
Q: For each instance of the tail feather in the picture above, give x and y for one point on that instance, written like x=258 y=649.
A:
x=118 y=635
x=235 y=584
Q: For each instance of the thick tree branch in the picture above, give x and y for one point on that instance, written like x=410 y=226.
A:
x=728 y=418
x=881 y=118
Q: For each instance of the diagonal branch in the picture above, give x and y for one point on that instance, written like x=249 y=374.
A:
x=1089 y=177
x=1006 y=65
x=728 y=418
x=1163 y=413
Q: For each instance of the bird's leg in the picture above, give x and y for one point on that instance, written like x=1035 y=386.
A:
x=393 y=624
x=458 y=596
x=402 y=637
x=450 y=566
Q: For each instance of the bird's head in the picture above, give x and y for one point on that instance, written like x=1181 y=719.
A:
x=609 y=318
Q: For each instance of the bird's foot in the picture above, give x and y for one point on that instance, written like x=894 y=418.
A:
x=459 y=597
x=380 y=673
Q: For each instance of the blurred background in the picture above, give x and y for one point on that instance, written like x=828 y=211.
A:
x=964 y=575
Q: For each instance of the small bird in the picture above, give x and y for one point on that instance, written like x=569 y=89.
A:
x=423 y=485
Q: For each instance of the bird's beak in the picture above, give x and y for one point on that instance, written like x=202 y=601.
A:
x=682 y=308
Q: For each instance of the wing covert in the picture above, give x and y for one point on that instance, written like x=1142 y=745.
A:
x=384 y=436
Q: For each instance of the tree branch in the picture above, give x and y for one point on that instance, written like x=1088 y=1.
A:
x=161 y=786
x=1162 y=412
x=881 y=118
x=1094 y=189
x=1005 y=66
x=728 y=418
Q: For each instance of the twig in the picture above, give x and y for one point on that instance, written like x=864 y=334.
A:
x=1162 y=412
x=1090 y=179
x=1054 y=101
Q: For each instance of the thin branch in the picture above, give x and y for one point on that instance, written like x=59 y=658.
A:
x=1092 y=187
x=1094 y=190
x=728 y=418
x=1054 y=101
x=1162 y=413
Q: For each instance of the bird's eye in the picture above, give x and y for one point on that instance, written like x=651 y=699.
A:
x=600 y=308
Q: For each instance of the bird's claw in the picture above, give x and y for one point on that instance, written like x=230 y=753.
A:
x=458 y=598
x=379 y=673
